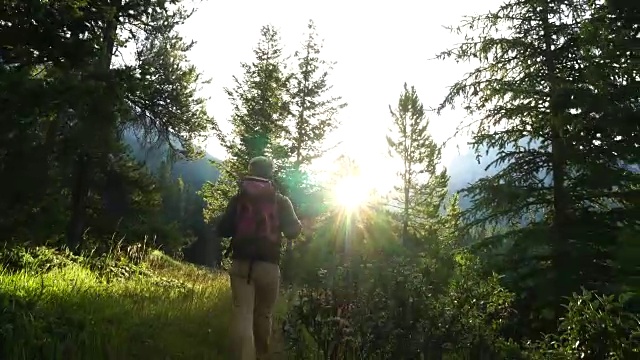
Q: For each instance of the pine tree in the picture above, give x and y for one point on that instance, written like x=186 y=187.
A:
x=313 y=117
x=89 y=97
x=157 y=94
x=313 y=111
x=540 y=96
x=260 y=110
x=162 y=96
x=423 y=187
x=608 y=139
x=259 y=102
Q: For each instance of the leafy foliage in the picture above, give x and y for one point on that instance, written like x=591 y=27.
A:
x=400 y=308
x=595 y=327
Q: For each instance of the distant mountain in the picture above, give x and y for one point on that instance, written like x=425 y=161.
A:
x=467 y=169
x=463 y=171
x=194 y=172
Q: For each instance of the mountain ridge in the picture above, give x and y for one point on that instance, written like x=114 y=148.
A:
x=193 y=172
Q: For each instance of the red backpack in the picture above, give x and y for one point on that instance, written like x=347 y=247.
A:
x=257 y=228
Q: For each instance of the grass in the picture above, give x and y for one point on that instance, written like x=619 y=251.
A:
x=56 y=306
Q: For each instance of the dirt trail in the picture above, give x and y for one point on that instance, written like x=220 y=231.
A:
x=278 y=349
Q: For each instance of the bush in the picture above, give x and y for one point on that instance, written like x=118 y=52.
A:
x=400 y=308
x=594 y=327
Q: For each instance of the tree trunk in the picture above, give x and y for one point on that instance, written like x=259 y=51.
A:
x=405 y=217
x=561 y=200
x=406 y=182
x=79 y=194
x=97 y=133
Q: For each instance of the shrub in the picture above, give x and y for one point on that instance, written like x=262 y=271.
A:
x=399 y=307
x=594 y=327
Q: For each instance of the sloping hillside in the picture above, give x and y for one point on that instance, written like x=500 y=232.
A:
x=65 y=307
x=194 y=173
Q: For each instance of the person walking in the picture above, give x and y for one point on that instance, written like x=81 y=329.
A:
x=255 y=219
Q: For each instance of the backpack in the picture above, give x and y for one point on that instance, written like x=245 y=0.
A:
x=257 y=228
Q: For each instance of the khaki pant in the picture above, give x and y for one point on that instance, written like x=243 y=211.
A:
x=253 y=305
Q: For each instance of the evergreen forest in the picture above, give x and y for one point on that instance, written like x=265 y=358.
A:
x=109 y=196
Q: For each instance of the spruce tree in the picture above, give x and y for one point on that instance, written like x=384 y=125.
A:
x=423 y=187
x=313 y=117
x=540 y=97
x=90 y=95
x=260 y=110
x=313 y=110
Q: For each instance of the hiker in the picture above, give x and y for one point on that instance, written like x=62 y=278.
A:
x=255 y=219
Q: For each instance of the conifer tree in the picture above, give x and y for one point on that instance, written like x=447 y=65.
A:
x=260 y=110
x=540 y=97
x=423 y=187
x=89 y=97
x=313 y=117
x=313 y=110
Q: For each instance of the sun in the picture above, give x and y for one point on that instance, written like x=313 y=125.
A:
x=351 y=192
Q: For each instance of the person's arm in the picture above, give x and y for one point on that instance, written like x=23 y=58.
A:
x=289 y=222
x=226 y=223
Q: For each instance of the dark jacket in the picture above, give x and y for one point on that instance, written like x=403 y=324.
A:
x=290 y=225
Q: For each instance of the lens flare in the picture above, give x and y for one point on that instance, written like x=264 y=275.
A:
x=350 y=193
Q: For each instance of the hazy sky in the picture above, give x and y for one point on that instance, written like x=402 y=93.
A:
x=377 y=46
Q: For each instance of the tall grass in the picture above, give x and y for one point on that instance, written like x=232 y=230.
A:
x=158 y=309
